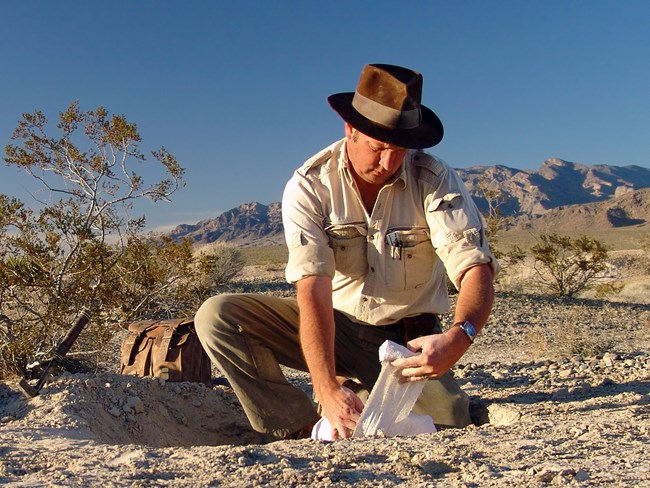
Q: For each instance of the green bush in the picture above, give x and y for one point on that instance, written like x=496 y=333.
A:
x=57 y=256
x=567 y=266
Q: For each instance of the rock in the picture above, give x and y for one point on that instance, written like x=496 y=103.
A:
x=501 y=415
x=609 y=358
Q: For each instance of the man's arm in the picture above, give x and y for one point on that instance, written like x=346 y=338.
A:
x=317 y=331
x=439 y=352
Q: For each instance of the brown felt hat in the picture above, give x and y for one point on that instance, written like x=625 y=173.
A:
x=387 y=107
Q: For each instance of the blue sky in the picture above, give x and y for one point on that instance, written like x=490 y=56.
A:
x=237 y=90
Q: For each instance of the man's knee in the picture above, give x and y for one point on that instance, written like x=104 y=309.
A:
x=446 y=403
x=213 y=314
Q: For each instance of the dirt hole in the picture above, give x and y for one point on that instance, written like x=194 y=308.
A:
x=115 y=409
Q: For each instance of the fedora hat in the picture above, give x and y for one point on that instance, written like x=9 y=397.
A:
x=387 y=106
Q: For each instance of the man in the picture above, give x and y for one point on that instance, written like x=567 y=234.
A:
x=373 y=226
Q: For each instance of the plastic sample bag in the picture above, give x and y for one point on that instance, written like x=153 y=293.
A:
x=388 y=409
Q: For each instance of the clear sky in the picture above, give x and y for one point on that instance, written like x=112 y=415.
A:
x=237 y=90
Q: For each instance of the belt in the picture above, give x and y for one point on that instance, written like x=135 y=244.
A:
x=405 y=329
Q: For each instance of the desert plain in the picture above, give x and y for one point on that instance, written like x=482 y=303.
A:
x=559 y=388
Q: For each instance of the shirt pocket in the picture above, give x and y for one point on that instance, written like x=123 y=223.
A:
x=409 y=258
x=349 y=243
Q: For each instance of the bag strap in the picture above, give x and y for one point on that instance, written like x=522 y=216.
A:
x=141 y=326
x=168 y=335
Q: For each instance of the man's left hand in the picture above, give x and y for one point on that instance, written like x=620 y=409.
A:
x=438 y=353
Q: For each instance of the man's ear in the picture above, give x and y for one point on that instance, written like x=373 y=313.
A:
x=349 y=131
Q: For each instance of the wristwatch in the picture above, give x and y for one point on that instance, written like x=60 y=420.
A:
x=469 y=329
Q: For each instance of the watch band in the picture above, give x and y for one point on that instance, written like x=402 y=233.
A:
x=468 y=328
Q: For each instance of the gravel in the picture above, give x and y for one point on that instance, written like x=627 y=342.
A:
x=560 y=395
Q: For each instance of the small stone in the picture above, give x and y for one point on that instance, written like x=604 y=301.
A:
x=502 y=415
x=609 y=358
x=497 y=376
x=581 y=475
x=114 y=411
x=134 y=404
x=547 y=475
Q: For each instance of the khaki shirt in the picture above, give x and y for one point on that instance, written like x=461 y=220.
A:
x=392 y=263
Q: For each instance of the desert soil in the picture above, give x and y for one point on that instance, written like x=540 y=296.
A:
x=560 y=394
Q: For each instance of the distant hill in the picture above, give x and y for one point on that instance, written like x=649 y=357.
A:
x=560 y=195
x=630 y=209
x=557 y=183
x=250 y=224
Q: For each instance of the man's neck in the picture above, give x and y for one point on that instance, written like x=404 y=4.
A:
x=367 y=191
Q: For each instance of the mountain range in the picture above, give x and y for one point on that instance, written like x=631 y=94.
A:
x=560 y=195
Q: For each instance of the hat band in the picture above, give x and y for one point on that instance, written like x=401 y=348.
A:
x=386 y=116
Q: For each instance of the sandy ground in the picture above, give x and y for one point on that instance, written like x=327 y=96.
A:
x=560 y=395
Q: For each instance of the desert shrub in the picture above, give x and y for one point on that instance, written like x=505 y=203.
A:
x=218 y=264
x=566 y=266
x=574 y=327
x=153 y=279
x=83 y=249
x=570 y=338
x=606 y=290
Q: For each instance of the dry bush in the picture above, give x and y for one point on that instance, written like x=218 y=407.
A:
x=573 y=336
x=218 y=264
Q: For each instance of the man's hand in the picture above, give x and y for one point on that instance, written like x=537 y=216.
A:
x=342 y=407
x=438 y=353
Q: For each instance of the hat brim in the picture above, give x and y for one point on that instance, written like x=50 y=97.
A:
x=427 y=134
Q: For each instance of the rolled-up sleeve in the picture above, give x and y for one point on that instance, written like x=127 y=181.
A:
x=457 y=229
x=308 y=244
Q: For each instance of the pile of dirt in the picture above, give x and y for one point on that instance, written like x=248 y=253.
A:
x=114 y=409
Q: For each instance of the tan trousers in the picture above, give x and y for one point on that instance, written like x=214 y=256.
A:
x=248 y=336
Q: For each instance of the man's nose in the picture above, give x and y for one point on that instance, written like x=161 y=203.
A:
x=389 y=159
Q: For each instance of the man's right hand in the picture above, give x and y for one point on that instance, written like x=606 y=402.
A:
x=342 y=407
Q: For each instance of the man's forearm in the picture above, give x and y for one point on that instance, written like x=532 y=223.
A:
x=317 y=330
x=475 y=297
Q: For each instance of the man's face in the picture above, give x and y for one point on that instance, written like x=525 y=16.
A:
x=373 y=161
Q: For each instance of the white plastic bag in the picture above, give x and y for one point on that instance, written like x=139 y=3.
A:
x=388 y=409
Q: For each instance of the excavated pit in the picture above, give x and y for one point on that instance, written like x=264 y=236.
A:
x=113 y=409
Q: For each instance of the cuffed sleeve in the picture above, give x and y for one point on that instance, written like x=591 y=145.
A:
x=309 y=260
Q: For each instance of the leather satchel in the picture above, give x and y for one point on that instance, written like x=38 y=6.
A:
x=165 y=349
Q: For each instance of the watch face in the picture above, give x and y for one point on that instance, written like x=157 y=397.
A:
x=469 y=329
